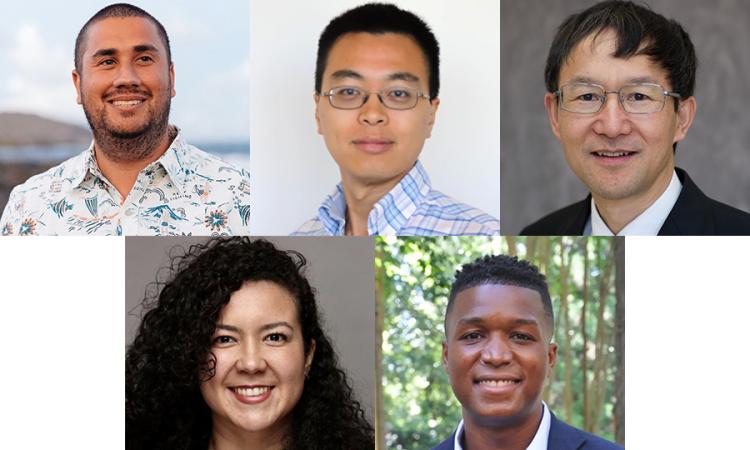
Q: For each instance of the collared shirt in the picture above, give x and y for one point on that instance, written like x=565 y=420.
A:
x=538 y=443
x=411 y=208
x=648 y=223
x=185 y=192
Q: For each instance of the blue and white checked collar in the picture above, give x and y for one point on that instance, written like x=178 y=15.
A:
x=412 y=207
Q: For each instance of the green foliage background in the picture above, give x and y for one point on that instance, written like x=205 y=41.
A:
x=414 y=277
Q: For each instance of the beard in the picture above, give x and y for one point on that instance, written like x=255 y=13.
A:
x=128 y=144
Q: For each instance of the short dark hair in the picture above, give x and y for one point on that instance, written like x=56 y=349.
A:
x=380 y=18
x=118 y=10
x=639 y=30
x=501 y=269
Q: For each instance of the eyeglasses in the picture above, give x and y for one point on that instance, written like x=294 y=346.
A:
x=350 y=97
x=585 y=98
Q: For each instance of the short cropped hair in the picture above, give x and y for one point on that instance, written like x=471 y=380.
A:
x=118 y=10
x=380 y=18
x=639 y=30
x=505 y=270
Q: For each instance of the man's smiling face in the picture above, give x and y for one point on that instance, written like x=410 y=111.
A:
x=498 y=353
x=126 y=80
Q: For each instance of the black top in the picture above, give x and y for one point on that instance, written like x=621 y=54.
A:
x=693 y=214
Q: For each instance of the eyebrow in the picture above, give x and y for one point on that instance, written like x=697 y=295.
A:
x=635 y=80
x=113 y=51
x=268 y=326
x=479 y=320
x=348 y=73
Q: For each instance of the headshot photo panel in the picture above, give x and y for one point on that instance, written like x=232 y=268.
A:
x=232 y=342
x=502 y=343
x=375 y=119
x=618 y=116
x=126 y=130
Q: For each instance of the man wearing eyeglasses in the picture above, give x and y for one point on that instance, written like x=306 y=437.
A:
x=620 y=82
x=376 y=95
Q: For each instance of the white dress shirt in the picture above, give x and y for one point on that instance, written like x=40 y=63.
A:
x=538 y=443
x=648 y=223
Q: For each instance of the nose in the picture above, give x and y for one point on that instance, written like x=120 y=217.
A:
x=496 y=352
x=250 y=359
x=612 y=120
x=127 y=75
x=373 y=112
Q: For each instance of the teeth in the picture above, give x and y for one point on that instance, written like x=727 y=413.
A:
x=126 y=102
x=612 y=154
x=497 y=382
x=252 y=392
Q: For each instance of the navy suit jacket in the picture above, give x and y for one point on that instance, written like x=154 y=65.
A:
x=694 y=214
x=561 y=437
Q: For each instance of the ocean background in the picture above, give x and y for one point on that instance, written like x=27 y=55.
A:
x=237 y=153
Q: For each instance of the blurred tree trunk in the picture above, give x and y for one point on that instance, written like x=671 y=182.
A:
x=380 y=278
x=601 y=343
x=531 y=244
x=567 y=351
x=619 y=418
x=511 y=241
x=584 y=359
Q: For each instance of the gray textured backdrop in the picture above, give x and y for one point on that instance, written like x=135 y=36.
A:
x=535 y=178
x=341 y=270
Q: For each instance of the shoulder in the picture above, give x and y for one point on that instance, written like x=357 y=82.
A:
x=67 y=170
x=565 y=221
x=445 y=445
x=562 y=435
x=442 y=214
x=205 y=163
x=313 y=227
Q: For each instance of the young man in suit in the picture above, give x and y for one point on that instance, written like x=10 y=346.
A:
x=622 y=146
x=498 y=355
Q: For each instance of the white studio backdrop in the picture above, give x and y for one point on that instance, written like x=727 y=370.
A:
x=291 y=168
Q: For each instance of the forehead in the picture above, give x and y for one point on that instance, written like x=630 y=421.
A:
x=592 y=60
x=259 y=302
x=490 y=302
x=122 y=33
x=375 y=56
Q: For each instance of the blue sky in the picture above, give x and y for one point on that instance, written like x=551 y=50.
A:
x=210 y=49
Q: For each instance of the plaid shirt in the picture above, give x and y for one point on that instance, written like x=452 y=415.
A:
x=185 y=191
x=411 y=208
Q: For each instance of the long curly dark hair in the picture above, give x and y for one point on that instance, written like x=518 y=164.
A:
x=171 y=356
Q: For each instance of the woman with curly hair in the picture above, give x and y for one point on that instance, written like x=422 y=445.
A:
x=232 y=356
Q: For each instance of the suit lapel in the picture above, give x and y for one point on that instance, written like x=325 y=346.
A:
x=689 y=214
x=575 y=222
x=564 y=437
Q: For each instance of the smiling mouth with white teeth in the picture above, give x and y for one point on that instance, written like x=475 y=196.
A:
x=613 y=154
x=495 y=383
x=126 y=102
x=252 y=392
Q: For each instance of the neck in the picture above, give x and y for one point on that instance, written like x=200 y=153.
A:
x=617 y=213
x=502 y=434
x=227 y=436
x=361 y=197
x=122 y=171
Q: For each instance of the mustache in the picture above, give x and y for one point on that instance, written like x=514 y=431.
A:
x=614 y=144
x=126 y=91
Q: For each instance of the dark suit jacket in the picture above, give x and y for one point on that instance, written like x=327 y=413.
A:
x=561 y=437
x=693 y=214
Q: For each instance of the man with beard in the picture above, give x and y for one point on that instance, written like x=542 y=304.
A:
x=139 y=176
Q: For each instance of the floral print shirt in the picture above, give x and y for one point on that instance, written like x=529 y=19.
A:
x=185 y=192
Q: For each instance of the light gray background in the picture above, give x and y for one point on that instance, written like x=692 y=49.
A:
x=536 y=180
x=290 y=167
x=341 y=270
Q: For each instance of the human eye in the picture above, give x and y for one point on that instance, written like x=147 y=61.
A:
x=223 y=340
x=471 y=336
x=347 y=92
x=400 y=93
x=588 y=97
x=145 y=59
x=637 y=96
x=523 y=337
x=276 y=338
x=106 y=62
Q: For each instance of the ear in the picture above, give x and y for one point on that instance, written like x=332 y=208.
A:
x=551 y=358
x=445 y=354
x=316 y=98
x=77 y=84
x=434 y=103
x=171 y=79
x=550 y=104
x=309 y=357
x=685 y=115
